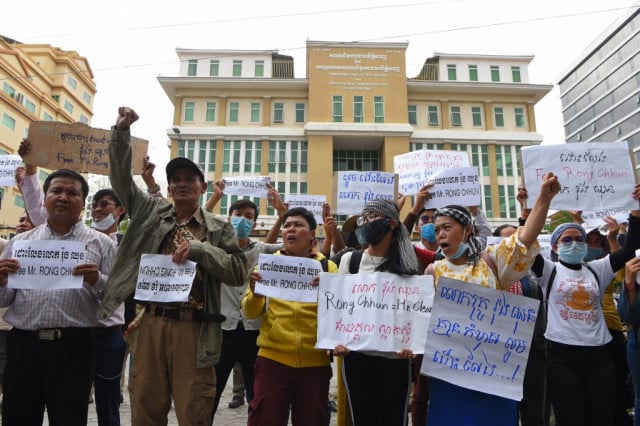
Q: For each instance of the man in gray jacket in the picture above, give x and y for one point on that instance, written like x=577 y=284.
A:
x=178 y=342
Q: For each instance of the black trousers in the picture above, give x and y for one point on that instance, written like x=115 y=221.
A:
x=581 y=384
x=377 y=388
x=56 y=374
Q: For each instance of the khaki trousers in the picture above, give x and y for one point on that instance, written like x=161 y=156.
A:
x=165 y=366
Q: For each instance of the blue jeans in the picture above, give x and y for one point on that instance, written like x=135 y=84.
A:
x=110 y=349
x=633 y=359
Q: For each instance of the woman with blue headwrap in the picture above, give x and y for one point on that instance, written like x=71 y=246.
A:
x=502 y=265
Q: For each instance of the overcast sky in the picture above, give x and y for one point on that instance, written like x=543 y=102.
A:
x=130 y=43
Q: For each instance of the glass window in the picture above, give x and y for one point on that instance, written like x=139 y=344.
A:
x=433 y=115
x=42 y=175
x=451 y=72
x=189 y=111
x=192 y=67
x=498 y=116
x=68 y=106
x=210 y=112
x=56 y=98
x=18 y=201
x=237 y=68
x=413 y=114
x=87 y=98
x=299 y=113
x=473 y=73
x=488 y=207
x=211 y=162
x=515 y=74
x=214 y=67
x=476 y=115
x=456 y=117
x=255 y=112
x=519 y=115
x=337 y=108
x=495 y=73
x=30 y=105
x=72 y=82
x=278 y=112
x=9 y=89
x=84 y=119
x=378 y=109
x=358 y=109
x=234 y=108
x=46 y=116
x=356 y=160
x=259 y=69
x=8 y=121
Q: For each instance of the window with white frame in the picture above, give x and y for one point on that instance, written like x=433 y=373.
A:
x=495 y=72
x=337 y=109
x=519 y=117
x=86 y=97
x=234 y=112
x=476 y=116
x=288 y=157
x=46 y=116
x=300 y=112
x=189 y=111
x=237 y=68
x=84 y=119
x=432 y=115
x=202 y=152
x=72 y=82
x=413 y=114
x=456 y=116
x=278 y=112
x=255 y=112
x=451 y=72
x=498 y=116
x=358 y=109
x=30 y=106
x=259 y=68
x=242 y=156
x=192 y=67
x=515 y=74
x=378 y=109
x=8 y=121
x=68 y=106
x=473 y=73
x=210 y=112
x=9 y=90
x=214 y=67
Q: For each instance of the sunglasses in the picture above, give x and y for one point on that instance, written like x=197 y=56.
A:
x=426 y=218
x=568 y=239
x=362 y=220
x=102 y=204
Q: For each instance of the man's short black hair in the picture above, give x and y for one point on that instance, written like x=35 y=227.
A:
x=70 y=174
x=304 y=213
x=107 y=192
x=243 y=204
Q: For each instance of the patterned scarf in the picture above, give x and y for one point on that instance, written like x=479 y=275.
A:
x=464 y=217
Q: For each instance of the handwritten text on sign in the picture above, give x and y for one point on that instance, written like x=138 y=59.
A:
x=596 y=218
x=47 y=264
x=455 y=186
x=479 y=338
x=313 y=203
x=593 y=176
x=288 y=277
x=355 y=189
x=161 y=280
x=414 y=168
x=77 y=147
x=248 y=186
x=375 y=311
x=8 y=166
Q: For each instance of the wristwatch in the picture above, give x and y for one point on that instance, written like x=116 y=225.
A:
x=153 y=189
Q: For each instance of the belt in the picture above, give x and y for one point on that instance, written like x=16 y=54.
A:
x=175 y=313
x=101 y=331
x=56 y=333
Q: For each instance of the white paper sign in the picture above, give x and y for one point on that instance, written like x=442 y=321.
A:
x=592 y=176
x=595 y=218
x=247 y=186
x=313 y=203
x=355 y=189
x=545 y=245
x=161 y=280
x=8 y=166
x=414 y=168
x=288 y=277
x=455 y=186
x=375 y=311
x=493 y=241
x=479 y=338
x=47 y=264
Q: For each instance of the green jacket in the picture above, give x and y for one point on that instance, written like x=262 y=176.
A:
x=152 y=218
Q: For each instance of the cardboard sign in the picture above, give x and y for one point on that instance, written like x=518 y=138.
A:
x=479 y=338
x=77 y=147
x=593 y=175
x=8 y=166
x=415 y=168
x=355 y=189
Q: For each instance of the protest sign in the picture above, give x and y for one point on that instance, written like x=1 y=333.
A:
x=254 y=186
x=77 y=147
x=595 y=218
x=288 y=277
x=414 y=168
x=162 y=280
x=8 y=166
x=592 y=176
x=455 y=186
x=355 y=189
x=375 y=311
x=313 y=203
x=47 y=264
x=545 y=245
x=479 y=338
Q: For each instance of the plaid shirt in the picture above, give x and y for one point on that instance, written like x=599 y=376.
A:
x=37 y=309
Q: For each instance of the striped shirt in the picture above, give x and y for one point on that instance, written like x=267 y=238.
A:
x=37 y=309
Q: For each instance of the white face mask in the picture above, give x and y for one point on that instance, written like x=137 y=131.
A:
x=104 y=224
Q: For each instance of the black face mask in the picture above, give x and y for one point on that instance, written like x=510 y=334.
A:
x=375 y=231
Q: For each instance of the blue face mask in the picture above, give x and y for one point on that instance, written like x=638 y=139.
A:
x=593 y=253
x=428 y=232
x=242 y=225
x=573 y=253
x=462 y=248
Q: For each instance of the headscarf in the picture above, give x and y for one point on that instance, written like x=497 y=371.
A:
x=463 y=216
x=402 y=256
x=563 y=227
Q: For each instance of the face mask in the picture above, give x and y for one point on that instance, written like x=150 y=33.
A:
x=428 y=232
x=374 y=232
x=361 y=241
x=593 y=253
x=104 y=224
x=242 y=225
x=572 y=253
x=462 y=248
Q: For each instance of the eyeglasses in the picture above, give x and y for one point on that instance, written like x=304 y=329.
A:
x=426 y=218
x=568 y=239
x=102 y=204
x=366 y=219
